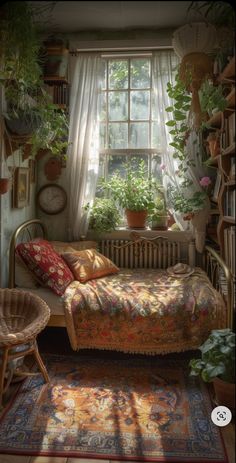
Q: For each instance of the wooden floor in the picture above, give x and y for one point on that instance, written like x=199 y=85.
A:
x=54 y=340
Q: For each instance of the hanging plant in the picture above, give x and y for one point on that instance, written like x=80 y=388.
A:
x=179 y=197
x=29 y=108
x=179 y=123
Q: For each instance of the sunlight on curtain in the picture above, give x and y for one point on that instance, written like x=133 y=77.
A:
x=83 y=151
x=164 y=70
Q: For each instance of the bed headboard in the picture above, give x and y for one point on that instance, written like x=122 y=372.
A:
x=25 y=232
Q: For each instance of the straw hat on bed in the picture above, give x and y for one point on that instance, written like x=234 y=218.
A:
x=180 y=270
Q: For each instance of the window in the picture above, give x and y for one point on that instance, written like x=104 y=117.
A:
x=128 y=120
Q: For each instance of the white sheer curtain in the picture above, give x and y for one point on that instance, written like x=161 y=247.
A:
x=164 y=70
x=83 y=151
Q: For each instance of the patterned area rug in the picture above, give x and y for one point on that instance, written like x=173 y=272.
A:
x=145 y=409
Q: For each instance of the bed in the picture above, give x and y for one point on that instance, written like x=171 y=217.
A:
x=142 y=307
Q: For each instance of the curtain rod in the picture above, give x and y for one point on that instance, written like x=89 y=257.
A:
x=127 y=50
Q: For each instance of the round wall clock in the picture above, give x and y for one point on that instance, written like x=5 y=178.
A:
x=52 y=199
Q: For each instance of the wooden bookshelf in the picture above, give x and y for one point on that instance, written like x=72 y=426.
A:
x=224 y=233
x=58 y=89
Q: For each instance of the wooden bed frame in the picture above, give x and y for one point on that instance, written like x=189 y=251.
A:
x=135 y=250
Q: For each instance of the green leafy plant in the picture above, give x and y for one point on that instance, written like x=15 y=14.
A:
x=159 y=207
x=179 y=198
x=178 y=124
x=218 y=357
x=134 y=192
x=183 y=204
x=212 y=97
x=20 y=74
x=103 y=216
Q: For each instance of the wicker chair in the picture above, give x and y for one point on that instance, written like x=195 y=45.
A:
x=22 y=316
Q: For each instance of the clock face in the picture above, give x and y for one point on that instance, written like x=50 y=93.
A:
x=52 y=199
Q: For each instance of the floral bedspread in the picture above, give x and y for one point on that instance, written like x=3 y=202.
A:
x=143 y=310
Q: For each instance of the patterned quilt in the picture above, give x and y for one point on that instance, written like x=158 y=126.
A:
x=143 y=311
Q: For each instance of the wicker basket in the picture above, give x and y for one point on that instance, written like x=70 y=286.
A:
x=22 y=316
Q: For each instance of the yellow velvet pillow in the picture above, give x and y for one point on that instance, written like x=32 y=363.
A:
x=71 y=246
x=88 y=264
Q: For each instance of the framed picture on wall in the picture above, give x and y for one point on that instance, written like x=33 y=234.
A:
x=21 y=187
x=217 y=187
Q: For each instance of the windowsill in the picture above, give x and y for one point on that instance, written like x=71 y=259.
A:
x=124 y=233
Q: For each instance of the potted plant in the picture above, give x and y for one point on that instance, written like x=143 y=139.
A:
x=103 y=215
x=217 y=364
x=134 y=193
x=159 y=217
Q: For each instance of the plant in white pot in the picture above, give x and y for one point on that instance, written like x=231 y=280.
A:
x=159 y=217
x=217 y=365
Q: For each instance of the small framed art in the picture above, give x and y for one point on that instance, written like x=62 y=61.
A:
x=21 y=187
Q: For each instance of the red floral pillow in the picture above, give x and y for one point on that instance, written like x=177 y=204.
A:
x=48 y=267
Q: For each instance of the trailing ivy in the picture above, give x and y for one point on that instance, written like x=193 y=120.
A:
x=179 y=123
x=180 y=131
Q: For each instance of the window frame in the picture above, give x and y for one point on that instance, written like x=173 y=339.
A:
x=106 y=152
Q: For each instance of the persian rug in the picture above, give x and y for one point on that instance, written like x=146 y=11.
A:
x=130 y=408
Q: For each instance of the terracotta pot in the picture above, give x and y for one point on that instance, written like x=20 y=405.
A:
x=4 y=185
x=136 y=219
x=224 y=393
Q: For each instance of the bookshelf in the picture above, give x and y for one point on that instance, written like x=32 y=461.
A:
x=224 y=162
x=58 y=89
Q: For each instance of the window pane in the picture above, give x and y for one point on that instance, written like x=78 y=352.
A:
x=104 y=74
x=118 y=135
x=118 y=74
x=103 y=107
x=102 y=136
x=140 y=73
x=136 y=158
x=140 y=105
x=116 y=164
x=156 y=136
x=118 y=106
x=156 y=168
x=139 y=135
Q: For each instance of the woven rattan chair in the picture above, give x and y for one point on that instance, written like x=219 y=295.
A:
x=22 y=316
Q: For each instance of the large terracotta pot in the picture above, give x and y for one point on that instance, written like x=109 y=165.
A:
x=136 y=219
x=224 y=393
